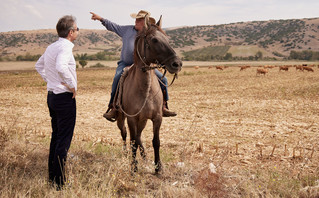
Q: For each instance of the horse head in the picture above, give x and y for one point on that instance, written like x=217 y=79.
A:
x=152 y=46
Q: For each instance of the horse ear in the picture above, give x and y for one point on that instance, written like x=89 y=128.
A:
x=159 y=22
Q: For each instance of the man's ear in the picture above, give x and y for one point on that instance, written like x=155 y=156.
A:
x=71 y=32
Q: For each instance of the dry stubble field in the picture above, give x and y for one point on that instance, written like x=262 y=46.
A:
x=260 y=133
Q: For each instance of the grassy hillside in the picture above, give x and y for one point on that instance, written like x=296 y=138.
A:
x=247 y=50
x=206 y=53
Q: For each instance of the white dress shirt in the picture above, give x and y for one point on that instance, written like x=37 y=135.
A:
x=57 y=65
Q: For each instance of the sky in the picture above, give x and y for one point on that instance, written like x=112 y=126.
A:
x=19 y=15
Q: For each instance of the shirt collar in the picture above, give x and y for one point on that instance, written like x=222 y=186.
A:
x=68 y=42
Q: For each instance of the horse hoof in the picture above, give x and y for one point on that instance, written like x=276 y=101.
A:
x=134 y=170
x=134 y=166
x=158 y=168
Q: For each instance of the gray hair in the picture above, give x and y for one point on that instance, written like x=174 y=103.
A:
x=64 y=25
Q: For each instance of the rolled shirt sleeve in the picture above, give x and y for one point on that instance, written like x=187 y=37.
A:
x=39 y=66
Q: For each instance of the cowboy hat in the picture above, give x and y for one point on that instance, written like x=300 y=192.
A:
x=152 y=20
x=140 y=14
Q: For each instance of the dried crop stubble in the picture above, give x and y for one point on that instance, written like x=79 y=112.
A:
x=232 y=119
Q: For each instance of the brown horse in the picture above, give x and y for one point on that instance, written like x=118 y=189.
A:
x=141 y=97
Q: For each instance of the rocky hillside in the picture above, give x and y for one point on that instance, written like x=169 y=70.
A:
x=274 y=38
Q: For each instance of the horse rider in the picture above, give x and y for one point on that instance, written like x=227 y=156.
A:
x=128 y=34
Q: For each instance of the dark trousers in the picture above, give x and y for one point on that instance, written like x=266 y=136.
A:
x=63 y=114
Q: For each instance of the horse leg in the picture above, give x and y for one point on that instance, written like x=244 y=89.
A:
x=133 y=129
x=156 y=143
x=134 y=161
x=140 y=128
x=121 y=126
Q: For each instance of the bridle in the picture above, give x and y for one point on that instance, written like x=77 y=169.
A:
x=157 y=64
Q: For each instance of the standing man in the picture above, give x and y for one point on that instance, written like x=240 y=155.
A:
x=128 y=35
x=57 y=67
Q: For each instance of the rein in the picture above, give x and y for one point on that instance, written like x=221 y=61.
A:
x=158 y=65
x=147 y=91
x=120 y=96
x=145 y=68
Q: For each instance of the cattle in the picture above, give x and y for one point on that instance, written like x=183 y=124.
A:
x=220 y=67
x=244 y=67
x=261 y=71
x=269 y=66
x=299 y=67
x=284 y=67
x=308 y=68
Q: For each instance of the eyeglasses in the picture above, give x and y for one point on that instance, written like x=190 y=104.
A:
x=77 y=29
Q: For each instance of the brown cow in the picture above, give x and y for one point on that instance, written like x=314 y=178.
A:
x=261 y=71
x=299 y=67
x=244 y=67
x=269 y=66
x=308 y=68
x=284 y=67
x=220 y=67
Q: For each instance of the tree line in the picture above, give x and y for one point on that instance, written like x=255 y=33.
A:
x=227 y=57
x=103 y=56
x=307 y=55
x=304 y=55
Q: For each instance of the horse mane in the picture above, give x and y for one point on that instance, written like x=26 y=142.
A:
x=142 y=34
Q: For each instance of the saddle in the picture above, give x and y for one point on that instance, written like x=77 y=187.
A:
x=119 y=90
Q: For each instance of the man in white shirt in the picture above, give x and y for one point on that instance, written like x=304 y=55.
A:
x=57 y=67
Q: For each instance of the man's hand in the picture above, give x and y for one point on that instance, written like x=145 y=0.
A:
x=95 y=16
x=71 y=89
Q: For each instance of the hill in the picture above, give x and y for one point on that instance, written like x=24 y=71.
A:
x=36 y=41
x=274 y=38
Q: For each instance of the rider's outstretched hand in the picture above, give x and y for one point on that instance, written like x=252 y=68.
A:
x=95 y=16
